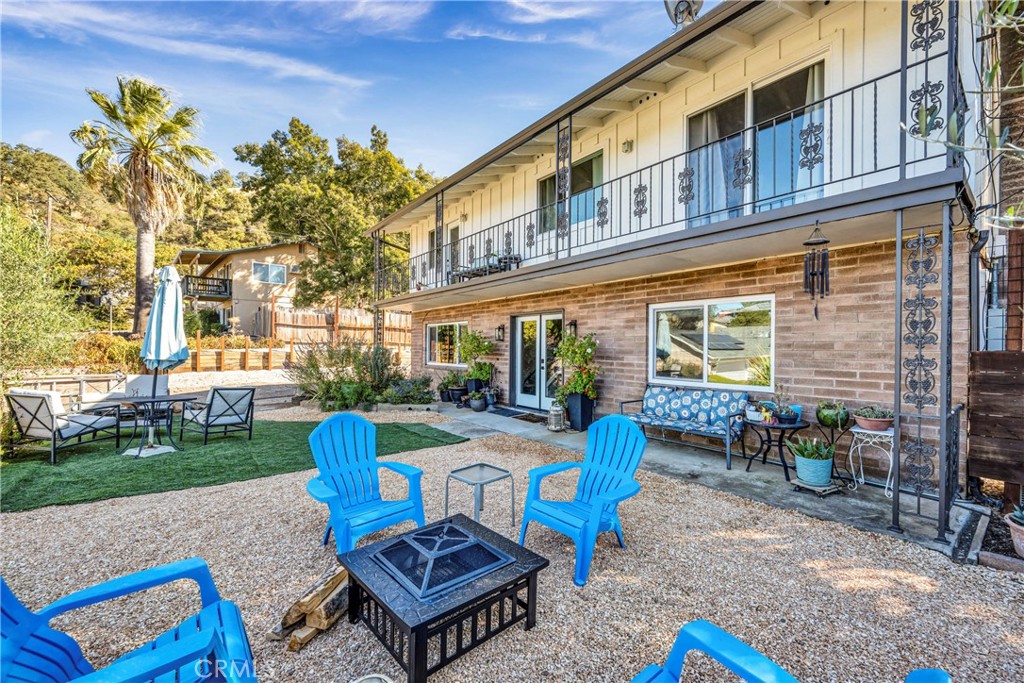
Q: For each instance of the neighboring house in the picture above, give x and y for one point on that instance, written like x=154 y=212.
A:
x=665 y=210
x=243 y=283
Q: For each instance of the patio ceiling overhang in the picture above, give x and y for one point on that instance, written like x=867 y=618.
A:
x=734 y=22
x=848 y=220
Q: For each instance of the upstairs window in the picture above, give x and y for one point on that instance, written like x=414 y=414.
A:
x=269 y=273
x=586 y=177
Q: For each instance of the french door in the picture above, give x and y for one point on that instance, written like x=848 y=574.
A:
x=538 y=373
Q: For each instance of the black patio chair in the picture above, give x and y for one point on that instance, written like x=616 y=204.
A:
x=41 y=416
x=225 y=410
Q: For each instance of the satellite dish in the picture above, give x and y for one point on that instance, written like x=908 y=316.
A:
x=683 y=12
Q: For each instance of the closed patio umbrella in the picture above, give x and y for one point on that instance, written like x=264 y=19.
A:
x=165 y=346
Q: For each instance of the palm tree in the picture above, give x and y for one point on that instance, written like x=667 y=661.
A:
x=143 y=153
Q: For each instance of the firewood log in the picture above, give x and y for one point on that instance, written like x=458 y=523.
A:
x=327 y=612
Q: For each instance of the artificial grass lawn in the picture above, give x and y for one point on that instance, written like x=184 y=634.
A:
x=93 y=472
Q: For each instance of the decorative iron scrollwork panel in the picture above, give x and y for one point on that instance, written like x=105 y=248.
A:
x=812 y=146
x=685 y=178
x=926 y=107
x=602 y=212
x=927 y=24
x=742 y=168
x=508 y=242
x=640 y=200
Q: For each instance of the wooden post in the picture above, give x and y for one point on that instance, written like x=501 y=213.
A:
x=245 y=356
x=199 y=350
x=223 y=360
x=291 y=350
x=273 y=311
x=334 y=333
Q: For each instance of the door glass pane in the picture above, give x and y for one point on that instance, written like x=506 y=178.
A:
x=528 y=357
x=740 y=343
x=715 y=138
x=782 y=110
x=680 y=343
x=552 y=366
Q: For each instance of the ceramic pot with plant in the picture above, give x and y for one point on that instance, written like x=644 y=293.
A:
x=1015 y=520
x=813 y=460
x=473 y=346
x=579 y=391
x=477 y=401
x=752 y=413
x=785 y=414
x=873 y=418
x=833 y=414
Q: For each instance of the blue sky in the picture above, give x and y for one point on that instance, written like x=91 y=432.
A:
x=446 y=80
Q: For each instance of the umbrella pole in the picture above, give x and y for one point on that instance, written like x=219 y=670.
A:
x=152 y=409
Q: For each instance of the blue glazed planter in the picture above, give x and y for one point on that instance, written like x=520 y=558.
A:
x=814 y=472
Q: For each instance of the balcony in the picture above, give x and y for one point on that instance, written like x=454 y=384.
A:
x=845 y=142
x=206 y=288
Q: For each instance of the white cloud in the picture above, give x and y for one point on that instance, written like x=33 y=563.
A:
x=368 y=17
x=525 y=12
x=584 y=39
x=69 y=21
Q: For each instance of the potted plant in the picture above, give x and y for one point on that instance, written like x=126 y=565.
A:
x=833 y=414
x=477 y=401
x=491 y=396
x=1015 y=520
x=473 y=346
x=443 y=387
x=752 y=412
x=579 y=391
x=873 y=418
x=813 y=460
x=785 y=414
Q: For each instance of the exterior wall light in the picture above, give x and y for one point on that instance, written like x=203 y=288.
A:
x=627 y=146
x=572 y=328
x=499 y=333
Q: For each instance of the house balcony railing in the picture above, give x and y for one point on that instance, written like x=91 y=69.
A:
x=846 y=141
x=206 y=287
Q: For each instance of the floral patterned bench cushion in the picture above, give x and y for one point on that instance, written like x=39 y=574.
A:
x=690 y=410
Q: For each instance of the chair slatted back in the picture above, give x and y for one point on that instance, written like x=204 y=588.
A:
x=229 y=404
x=36 y=411
x=142 y=386
x=345 y=450
x=615 y=446
x=32 y=651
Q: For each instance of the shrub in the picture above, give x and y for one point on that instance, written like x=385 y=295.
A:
x=473 y=345
x=102 y=352
x=577 y=355
x=205 y=320
x=415 y=390
x=346 y=375
x=454 y=378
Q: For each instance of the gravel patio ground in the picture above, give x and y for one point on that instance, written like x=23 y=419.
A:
x=827 y=602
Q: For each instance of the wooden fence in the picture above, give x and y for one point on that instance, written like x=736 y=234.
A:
x=995 y=415
x=304 y=326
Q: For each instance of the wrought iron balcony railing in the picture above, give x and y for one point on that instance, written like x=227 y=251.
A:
x=843 y=142
x=206 y=287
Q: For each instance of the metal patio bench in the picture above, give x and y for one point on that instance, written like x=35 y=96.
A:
x=41 y=416
x=711 y=413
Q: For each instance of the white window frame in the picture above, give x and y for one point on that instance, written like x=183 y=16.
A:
x=458 y=345
x=652 y=340
x=269 y=266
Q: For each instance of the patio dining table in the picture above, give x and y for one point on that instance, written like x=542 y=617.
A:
x=152 y=413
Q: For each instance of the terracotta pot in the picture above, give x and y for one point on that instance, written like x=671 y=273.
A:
x=873 y=425
x=1017 y=534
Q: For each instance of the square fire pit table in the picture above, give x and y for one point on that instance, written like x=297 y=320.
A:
x=433 y=594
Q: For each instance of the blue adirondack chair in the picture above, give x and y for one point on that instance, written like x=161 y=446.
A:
x=345 y=450
x=725 y=648
x=614 y=448
x=210 y=646
x=744 y=661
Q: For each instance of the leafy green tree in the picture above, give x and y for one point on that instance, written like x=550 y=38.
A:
x=37 y=315
x=300 y=189
x=143 y=152
x=219 y=216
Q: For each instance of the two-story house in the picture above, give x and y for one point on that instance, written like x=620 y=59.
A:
x=243 y=283
x=666 y=209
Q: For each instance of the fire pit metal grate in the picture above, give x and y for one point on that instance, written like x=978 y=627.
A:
x=438 y=559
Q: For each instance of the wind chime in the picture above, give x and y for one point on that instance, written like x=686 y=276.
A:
x=816 y=281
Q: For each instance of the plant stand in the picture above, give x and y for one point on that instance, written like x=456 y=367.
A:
x=821 y=491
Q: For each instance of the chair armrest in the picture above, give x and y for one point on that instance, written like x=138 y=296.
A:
x=726 y=649
x=538 y=473
x=149 y=665
x=194 y=405
x=194 y=568
x=622 y=404
x=403 y=469
x=619 y=494
x=320 y=491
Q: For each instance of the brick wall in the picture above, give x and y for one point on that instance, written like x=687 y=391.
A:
x=847 y=354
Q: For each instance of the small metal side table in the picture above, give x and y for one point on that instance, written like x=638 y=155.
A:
x=768 y=442
x=863 y=438
x=478 y=476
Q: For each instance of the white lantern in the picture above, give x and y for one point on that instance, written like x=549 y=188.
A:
x=556 y=417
